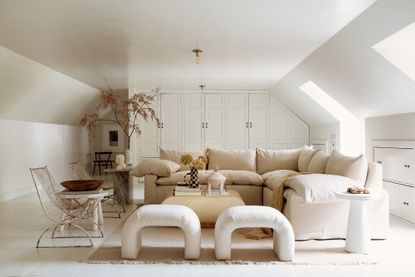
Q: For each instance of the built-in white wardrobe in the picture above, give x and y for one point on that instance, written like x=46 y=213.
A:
x=193 y=121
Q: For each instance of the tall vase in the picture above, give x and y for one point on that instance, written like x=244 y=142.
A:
x=194 y=177
x=128 y=156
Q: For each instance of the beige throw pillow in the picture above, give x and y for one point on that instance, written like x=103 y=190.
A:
x=306 y=154
x=318 y=163
x=232 y=159
x=174 y=156
x=268 y=160
x=353 y=167
x=160 y=168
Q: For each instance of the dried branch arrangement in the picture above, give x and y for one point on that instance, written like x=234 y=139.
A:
x=125 y=113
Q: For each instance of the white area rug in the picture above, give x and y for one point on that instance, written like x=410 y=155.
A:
x=165 y=246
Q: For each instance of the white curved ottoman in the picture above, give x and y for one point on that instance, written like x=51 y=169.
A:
x=254 y=216
x=161 y=215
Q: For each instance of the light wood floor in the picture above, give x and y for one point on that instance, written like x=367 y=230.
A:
x=22 y=221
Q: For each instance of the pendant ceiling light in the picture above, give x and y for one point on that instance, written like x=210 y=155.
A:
x=197 y=53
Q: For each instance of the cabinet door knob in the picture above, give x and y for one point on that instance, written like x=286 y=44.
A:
x=247 y=125
x=406 y=203
x=250 y=124
x=379 y=162
x=206 y=125
x=203 y=125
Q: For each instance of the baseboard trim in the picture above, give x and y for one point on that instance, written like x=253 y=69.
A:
x=10 y=195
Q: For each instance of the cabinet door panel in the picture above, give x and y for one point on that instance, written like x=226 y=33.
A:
x=192 y=122
x=237 y=120
x=259 y=120
x=170 y=118
x=398 y=163
x=215 y=121
x=148 y=140
x=402 y=202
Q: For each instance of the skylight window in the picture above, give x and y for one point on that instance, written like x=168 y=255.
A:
x=351 y=134
x=399 y=50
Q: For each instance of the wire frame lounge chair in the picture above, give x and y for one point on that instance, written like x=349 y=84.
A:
x=80 y=173
x=72 y=210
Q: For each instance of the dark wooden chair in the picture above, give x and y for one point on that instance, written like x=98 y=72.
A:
x=102 y=159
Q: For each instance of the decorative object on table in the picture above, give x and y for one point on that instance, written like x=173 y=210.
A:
x=82 y=185
x=186 y=191
x=357 y=190
x=125 y=113
x=72 y=211
x=120 y=161
x=195 y=164
x=216 y=183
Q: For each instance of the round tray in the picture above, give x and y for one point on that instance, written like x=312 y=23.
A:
x=82 y=185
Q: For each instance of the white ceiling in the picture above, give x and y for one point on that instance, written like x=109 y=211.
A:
x=247 y=44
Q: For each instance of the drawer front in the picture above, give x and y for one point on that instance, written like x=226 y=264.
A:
x=402 y=200
x=398 y=163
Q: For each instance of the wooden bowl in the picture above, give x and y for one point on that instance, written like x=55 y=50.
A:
x=82 y=185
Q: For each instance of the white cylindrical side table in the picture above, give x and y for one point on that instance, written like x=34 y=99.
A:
x=358 y=233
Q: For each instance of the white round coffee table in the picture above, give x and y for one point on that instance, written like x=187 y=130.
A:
x=358 y=233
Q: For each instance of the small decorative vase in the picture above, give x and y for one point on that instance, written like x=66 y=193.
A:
x=128 y=156
x=194 y=177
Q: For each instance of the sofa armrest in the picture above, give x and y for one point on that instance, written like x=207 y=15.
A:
x=374 y=176
x=150 y=189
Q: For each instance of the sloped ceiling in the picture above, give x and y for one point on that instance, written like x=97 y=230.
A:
x=353 y=73
x=30 y=91
x=247 y=44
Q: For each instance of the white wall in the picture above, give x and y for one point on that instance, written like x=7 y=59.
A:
x=29 y=144
x=323 y=133
x=392 y=127
x=31 y=93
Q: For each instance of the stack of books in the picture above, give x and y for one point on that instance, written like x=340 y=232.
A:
x=186 y=191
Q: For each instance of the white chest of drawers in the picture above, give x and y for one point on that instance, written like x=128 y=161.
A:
x=398 y=178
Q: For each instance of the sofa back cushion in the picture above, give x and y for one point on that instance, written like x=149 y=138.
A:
x=174 y=156
x=352 y=167
x=268 y=160
x=304 y=159
x=231 y=159
x=318 y=162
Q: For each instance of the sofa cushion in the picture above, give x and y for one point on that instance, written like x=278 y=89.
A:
x=318 y=163
x=173 y=155
x=155 y=167
x=176 y=177
x=305 y=156
x=242 y=177
x=319 y=187
x=353 y=167
x=273 y=178
x=269 y=160
x=232 y=159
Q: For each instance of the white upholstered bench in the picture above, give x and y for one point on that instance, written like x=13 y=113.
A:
x=161 y=215
x=254 y=216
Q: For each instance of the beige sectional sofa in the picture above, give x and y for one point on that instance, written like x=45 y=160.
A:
x=300 y=182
